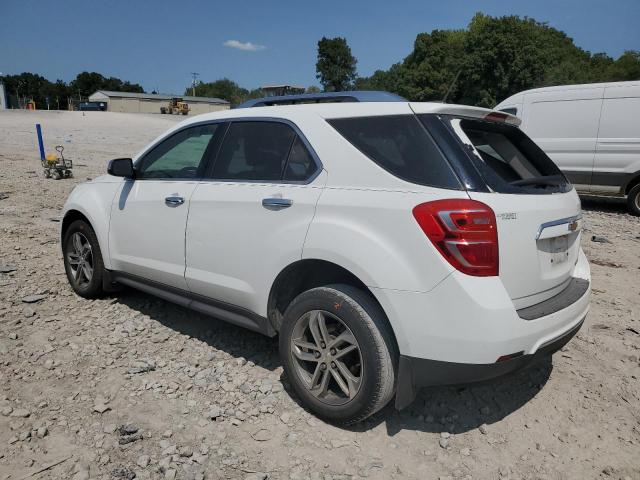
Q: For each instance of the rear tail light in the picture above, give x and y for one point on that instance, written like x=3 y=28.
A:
x=464 y=232
x=496 y=117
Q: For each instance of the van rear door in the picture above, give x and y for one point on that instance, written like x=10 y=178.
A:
x=537 y=210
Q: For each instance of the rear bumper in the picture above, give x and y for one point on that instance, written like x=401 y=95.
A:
x=414 y=373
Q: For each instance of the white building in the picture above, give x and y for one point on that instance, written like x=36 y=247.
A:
x=151 y=103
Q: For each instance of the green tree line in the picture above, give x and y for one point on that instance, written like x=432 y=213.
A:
x=496 y=57
x=30 y=86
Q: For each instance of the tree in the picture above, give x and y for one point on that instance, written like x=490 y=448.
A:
x=87 y=83
x=312 y=89
x=336 y=66
x=496 y=57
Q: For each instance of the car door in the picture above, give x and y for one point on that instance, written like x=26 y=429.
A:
x=149 y=214
x=249 y=219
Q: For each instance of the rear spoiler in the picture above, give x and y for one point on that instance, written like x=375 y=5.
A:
x=468 y=112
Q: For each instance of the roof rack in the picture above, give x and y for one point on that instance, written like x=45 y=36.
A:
x=329 y=97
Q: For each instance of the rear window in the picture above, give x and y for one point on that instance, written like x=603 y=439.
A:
x=509 y=161
x=400 y=145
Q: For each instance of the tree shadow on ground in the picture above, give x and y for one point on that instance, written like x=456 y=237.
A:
x=438 y=409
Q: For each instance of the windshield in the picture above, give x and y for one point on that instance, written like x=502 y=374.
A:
x=508 y=160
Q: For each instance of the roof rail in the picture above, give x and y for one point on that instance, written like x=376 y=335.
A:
x=329 y=97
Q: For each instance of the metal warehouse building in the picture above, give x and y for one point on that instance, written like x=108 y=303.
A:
x=150 y=102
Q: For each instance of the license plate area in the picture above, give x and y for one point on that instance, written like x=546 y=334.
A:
x=559 y=249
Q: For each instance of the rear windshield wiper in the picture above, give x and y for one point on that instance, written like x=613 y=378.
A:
x=550 y=180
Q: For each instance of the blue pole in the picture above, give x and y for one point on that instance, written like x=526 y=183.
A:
x=40 y=144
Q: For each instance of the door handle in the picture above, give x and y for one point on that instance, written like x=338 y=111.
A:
x=276 y=203
x=174 y=201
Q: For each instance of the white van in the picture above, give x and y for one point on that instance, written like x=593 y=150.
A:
x=592 y=132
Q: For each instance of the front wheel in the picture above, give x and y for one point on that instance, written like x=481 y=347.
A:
x=339 y=353
x=633 y=200
x=83 y=259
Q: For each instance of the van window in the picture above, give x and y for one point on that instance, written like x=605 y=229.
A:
x=509 y=161
x=400 y=145
x=510 y=110
x=564 y=119
x=620 y=118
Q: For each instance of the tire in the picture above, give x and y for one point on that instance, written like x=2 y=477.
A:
x=633 y=200
x=86 y=283
x=371 y=367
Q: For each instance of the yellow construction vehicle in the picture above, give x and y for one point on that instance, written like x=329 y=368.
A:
x=176 y=106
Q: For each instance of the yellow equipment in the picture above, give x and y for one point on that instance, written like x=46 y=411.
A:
x=176 y=106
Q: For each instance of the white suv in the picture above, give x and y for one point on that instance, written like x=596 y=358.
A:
x=391 y=245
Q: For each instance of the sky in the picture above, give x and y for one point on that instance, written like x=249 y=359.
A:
x=159 y=43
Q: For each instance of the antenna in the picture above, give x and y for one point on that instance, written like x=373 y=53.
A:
x=451 y=85
x=195 y=75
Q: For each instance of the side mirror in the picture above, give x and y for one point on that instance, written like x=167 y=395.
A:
x=121 y=167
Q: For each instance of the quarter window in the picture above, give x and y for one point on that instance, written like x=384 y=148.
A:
x=180 y=156
x=254 y=151
x=400 y=145
x=300 y=165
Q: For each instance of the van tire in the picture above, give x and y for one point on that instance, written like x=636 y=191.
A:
x=379 y=353
x=633 y=200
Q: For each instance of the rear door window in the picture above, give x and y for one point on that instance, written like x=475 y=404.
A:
x=254 y=151
x=401 y=145
x=509 y=161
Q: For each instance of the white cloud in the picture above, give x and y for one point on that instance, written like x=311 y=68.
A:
x=246 y=46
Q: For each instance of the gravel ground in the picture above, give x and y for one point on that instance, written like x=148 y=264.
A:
x=134 y=386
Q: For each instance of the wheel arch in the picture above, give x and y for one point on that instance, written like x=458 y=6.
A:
x=308 y=273
x=633 y=181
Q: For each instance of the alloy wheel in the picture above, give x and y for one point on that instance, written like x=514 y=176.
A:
x=80 y=259
x=327 y=357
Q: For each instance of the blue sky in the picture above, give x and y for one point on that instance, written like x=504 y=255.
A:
x=158 y=43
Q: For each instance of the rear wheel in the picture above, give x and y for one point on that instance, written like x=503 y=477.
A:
x=83 y=260
x=339 y=353
x=633 y=200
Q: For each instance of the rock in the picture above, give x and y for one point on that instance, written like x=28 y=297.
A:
x=123 y=473
x=444 y=443
x=21 y=412
x=167 y=434
x=171 y=450
x=170 y=474
x=42 y=432
x=128 y=429
x=143 y=461
x=13 y=336
x=262 y=435
x=101 y=408
x=597 y=239
x=483 y=429
x=130 y=438
x=6 y=411
x=142 y=367
x=185 y=451
x=445 y=434
x=33 y=298
x=7 y=269
x=465 y=451
x=214 y=412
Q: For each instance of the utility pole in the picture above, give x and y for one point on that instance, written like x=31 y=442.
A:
x=193 y=83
